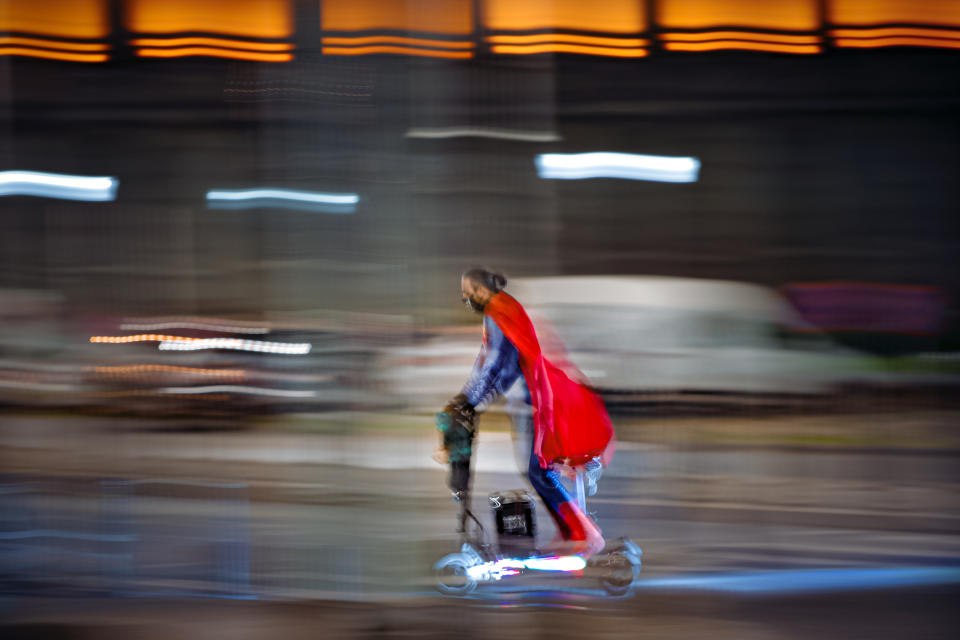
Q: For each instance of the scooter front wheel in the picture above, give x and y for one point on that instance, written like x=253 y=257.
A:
x=453 y=575
x=620 y=572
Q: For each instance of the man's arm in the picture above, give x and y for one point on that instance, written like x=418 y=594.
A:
x=498 y=360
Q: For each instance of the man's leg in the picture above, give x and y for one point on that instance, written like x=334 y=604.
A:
x=573 y=525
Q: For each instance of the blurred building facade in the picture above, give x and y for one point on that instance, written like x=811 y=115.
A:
x=827 y=133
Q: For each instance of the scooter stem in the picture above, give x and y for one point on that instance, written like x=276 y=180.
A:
x=581 y=492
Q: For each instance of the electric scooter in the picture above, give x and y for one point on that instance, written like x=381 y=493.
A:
x=512 y=551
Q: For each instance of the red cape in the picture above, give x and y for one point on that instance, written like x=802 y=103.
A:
x=570 y=421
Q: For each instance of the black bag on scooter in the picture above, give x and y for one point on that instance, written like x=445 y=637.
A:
x=515 y=515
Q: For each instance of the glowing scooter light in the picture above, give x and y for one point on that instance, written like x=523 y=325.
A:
x=58 y=185
x=627 y=166
x=283 y=198
x=556 y=563
x=512 y=566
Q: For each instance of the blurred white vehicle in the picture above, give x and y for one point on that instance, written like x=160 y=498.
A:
x=649 y=334
x=669 y=334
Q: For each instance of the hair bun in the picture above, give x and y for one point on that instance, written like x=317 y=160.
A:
x=493 y=281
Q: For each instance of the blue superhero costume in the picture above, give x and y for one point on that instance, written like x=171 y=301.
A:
x=496 y=371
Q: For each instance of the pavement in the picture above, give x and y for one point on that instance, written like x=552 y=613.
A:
x=341 y=521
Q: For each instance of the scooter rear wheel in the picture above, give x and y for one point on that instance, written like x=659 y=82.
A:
x=453 y=576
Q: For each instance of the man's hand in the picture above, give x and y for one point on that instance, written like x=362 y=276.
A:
x=461 y=409
x=456 y=423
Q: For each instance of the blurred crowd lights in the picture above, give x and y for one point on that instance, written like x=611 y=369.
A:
x=58 y=186
x=627 y=166
x=181 y=343
x=283 y=198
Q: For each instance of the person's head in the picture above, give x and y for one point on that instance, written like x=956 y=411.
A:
x=478 y=285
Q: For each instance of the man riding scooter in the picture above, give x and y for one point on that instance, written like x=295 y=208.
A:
x=567 y=423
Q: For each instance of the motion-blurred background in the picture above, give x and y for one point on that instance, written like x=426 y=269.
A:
x=231 y=233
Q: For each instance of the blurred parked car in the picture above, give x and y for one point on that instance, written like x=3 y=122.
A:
x=633 y=335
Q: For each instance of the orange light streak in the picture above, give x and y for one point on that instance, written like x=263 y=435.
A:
x=253 y=18
x=740 y=35
x=612 y=16
x=423 y=42
x=568 y=48
x=213 y=42
x=166 y=368
x=746 y=46
x=360 y=51
x=570 y=38
x=141 y=337
x=895 y=31
x=425 y=16
x=850 y=12
x=53 y=55
x=64 y=18
x=54 y=44
x=897 y=42
x=215 y=53
x=789 y=15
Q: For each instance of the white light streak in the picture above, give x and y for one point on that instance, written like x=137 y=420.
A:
x=498 y=569
x=160 y=326
x=628 y=166
x=236 y=344
x=230 y=388
x=58 y=185
x=483 y=132
x=283 y=198
x=495 y=570
x=562 y=563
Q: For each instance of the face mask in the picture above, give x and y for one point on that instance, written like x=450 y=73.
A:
x=472 y=304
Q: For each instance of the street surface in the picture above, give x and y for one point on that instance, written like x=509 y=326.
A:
x=94 y=510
